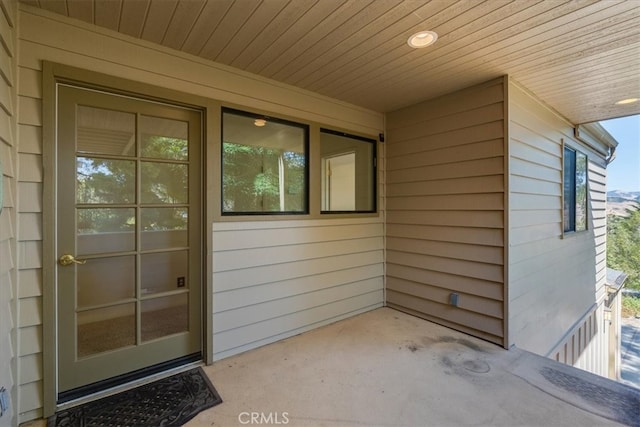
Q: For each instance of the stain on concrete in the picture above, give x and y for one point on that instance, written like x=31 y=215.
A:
x=477 y=366
x=447 y=362
x=462 y=341
x=471 y=345
x=428 y=341
x=456 y=364
x=413 y=347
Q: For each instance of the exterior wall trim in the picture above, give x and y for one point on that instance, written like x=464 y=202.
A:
x=9 y=212
x=507 y=208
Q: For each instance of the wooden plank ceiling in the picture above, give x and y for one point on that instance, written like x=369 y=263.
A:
x=579 y=56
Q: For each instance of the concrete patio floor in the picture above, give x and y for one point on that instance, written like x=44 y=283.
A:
x=386 y=368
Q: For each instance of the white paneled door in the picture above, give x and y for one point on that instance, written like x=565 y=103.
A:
x=128 y=237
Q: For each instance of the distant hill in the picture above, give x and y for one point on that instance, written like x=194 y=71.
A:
x=627 y=195
x=619 y=201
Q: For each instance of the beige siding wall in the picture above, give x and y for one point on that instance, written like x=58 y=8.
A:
x=556 y=282
x=8 y=229
x=445 y=209
x=279 y=279
x=302 y=270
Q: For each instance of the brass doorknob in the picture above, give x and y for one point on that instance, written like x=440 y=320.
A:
x=68 y=259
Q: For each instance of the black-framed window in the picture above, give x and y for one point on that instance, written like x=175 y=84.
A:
x=265 y=165
x=348 y=165
x=575 y=209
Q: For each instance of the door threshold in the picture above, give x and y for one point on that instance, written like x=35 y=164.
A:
x=127 y=386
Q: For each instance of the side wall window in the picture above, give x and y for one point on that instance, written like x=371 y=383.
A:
x=265 y=165
x=575 y=212
x=348 y=173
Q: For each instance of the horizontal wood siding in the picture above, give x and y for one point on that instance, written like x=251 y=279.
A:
x=30 y=248
x=275 y=280
x=445 y=210
x=298 y=275
x=553 y=279
x=8 y=221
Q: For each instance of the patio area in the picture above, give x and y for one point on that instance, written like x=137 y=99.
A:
x=387 y=368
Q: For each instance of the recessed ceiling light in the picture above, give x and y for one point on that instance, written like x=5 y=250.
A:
x=627 y=101
x=422 y=39
x=259 y=122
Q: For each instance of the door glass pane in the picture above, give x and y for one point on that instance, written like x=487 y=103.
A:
x=164 y=183
x=106 y=329
x=164 y=271
x=105 y=180
x=165 y=316
x=106 y=230
x=103 y=131
x=164 y=228
x=106 y=280
x=164 y=138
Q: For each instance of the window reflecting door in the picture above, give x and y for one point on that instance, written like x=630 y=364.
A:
x=348 y=173
x=339 y=183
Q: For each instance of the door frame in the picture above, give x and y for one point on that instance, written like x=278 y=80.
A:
x=54 y=73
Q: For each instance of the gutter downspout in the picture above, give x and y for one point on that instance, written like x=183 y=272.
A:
x=612 y=155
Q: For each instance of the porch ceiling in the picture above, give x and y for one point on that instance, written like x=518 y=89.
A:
x=580 y=57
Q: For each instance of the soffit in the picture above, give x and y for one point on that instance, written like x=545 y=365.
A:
x=579 y=57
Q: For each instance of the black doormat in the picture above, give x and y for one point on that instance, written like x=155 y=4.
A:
x=170 y=401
